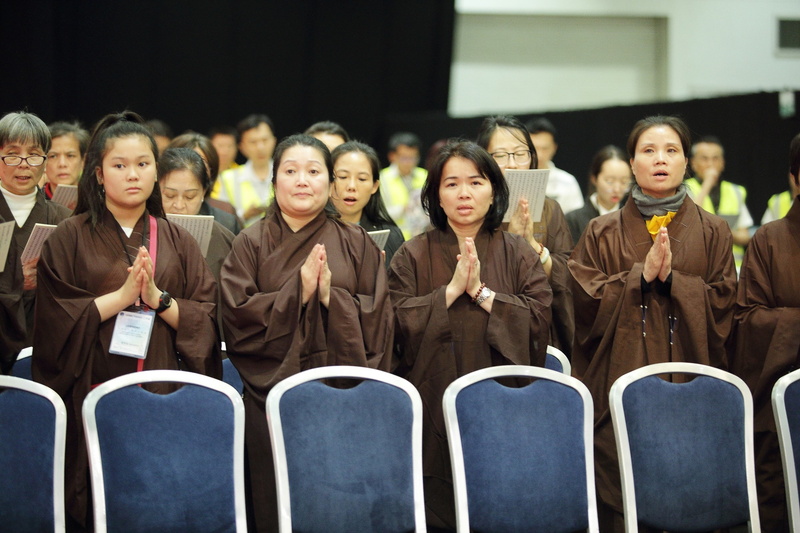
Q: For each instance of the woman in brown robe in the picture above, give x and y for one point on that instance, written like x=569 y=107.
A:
x=767 y=340
x=466 y=296
x=652 y=282
x=503 y=137
x=104 y=260
x=300 y=289
x=24 y=141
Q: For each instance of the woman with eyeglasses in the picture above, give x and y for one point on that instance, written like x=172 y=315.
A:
x=507 y=140
x=24 y=141
x=466 y=296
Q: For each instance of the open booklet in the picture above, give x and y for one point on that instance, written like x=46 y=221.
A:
x=529 y=184
x=199 y=226
x=380 y=237
x=6 y=236
x=33 y=248
x=66 y=195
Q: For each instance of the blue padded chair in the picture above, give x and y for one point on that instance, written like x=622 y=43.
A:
x=685 y=448
x=22 y=366
x=33 y=426
x=786 y=408
x=166 y=462
x=347 y=459
x=523 y=458
x=231 y=376
x=557 y=360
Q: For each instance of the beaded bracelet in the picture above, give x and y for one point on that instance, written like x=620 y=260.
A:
x=477 y=294
x=544 y=255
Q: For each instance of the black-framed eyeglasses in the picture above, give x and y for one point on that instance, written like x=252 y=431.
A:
x=520 y=156
x=15 y=160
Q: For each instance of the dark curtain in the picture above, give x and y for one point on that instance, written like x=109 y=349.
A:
x=198 y=64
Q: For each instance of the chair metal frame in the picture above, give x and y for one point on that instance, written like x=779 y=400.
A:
x=555 y=353
x=333 y=372
x=164 y=376
x=623 y=444
x=454 y=434
x=787 y=446
x=59 y=444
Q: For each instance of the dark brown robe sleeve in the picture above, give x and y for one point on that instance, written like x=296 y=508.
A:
x=559 y=242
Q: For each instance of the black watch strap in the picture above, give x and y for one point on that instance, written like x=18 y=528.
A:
x=164 y=302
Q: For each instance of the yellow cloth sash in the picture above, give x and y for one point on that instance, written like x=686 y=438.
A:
x=658 y=222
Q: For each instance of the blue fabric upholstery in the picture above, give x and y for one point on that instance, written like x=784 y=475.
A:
x=27 y=437
x=551 y=362
x=792 y=400
x=687 y=453
x=167 y=460
x=349 y=457
x=22 y=368
x=231 y=376
x=524 y=457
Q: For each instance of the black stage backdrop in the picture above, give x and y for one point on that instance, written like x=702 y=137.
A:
x=198 y=64
x=375 y=66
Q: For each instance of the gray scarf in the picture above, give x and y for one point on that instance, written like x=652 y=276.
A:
x=649 y=206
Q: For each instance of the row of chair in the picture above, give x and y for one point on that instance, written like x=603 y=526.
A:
x=349 y=459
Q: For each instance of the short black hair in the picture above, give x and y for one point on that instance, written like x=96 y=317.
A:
x=404 y=138
x=488 y=168
x=329 y=127
x=541 y=125
x=251 y=122
x=61 y=129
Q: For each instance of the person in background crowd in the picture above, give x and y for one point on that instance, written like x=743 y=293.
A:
x=561 y=185
x=64 y=164
x=718 y=196
x=24 y=144
x=767 y=340
x=300 y=289
x=330 y=133
x=652 y=282
x=162 y=133
x=467 y=295
x=610 y=179
x=248 y=187
x=223 y=212
x=356 y=192
x=118 y=253
x=401 y=184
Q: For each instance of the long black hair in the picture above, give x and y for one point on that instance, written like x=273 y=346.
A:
x=375 y=210
x=91 y=195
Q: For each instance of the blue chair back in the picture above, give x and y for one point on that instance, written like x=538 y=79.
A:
x=33 y=425
x=523 y=457
x=786 y=409
x=347 y=459
x=685 y=449
x=231 y=376
x=22 y=366
x=166 y=462
x=558 y=361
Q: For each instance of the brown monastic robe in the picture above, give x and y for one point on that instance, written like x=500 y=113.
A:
x=606 y=268
x=767 y=345
x=553 y=232
x=16 y=304
x=438 y=345
x=270 y=335
x=70 y=354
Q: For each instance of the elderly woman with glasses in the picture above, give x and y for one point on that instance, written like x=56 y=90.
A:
x=24 y=141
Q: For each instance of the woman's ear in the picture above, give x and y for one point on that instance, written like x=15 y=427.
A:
x=99 y=173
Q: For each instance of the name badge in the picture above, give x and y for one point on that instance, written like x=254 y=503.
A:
x=132 y=333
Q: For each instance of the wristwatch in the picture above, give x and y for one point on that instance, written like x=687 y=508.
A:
x=483 y=295
x=164 y=302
